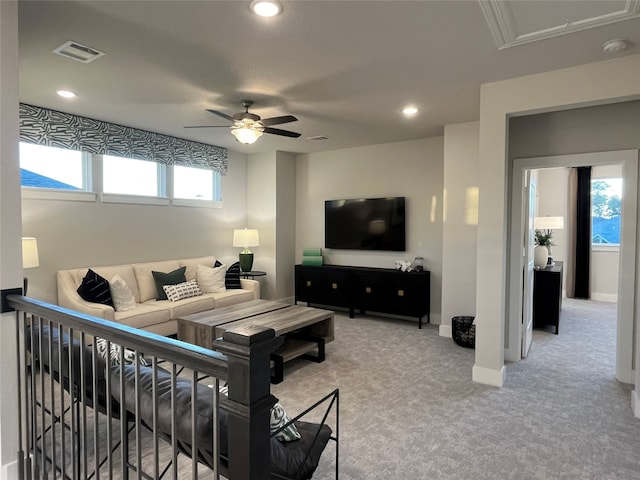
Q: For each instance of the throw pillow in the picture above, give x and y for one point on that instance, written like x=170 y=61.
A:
x=232 y=278
x=121 y=294
x=280 y=418
x=211 y=280
x=277 y=419
x=113 y=356
x=182 y=290
x=95 y=288
x=171 y=278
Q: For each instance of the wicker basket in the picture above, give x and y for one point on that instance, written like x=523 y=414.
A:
x=464 y=333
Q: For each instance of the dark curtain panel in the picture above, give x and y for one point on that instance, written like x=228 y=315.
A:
x=583 y=233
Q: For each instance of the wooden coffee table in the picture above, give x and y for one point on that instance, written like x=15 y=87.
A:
x=200 y=328
x=304 y=329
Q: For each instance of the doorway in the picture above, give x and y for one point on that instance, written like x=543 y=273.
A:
x=627 y=268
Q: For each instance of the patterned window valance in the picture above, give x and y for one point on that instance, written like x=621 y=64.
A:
x=63 y=130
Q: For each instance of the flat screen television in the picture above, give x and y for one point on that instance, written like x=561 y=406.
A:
x=365 y=224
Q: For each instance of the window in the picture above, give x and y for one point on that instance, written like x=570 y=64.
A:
x=128 y=176
x=606 y=208
x=195 y=183
x=56 y=168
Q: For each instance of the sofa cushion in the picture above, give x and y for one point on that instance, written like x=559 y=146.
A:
x=231 y=297
x=121 y=294
x=144 y=277
x=186 y=306
x=192 y=265
x=125 y=271
x=210 y=279
x=167 y=278
x=95 y=288
x=144 y=315
x=183 y=290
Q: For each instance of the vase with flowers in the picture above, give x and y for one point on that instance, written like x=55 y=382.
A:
x=543 y=248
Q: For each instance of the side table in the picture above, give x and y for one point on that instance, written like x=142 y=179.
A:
x=547 y=296
x=252 y=274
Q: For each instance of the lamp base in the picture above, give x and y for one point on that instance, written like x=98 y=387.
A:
x=246 y=261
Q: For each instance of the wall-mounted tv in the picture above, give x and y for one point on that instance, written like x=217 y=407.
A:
x=365 y=224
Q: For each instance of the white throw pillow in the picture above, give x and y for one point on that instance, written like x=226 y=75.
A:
x=182 y=290
x=210 y=279
x=121 y=294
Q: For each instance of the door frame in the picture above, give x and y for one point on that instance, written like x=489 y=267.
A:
x=627 y=272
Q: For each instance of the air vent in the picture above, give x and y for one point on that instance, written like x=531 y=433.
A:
x=79 y=52
x=318 y=137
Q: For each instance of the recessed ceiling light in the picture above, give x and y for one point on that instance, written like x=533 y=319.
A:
x=409 y=111
x=66 y=93
x=266 y=8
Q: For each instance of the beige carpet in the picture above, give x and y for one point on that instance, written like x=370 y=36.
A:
x=409 y=409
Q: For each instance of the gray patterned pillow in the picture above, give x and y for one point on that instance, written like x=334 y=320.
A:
x=277 y=419
x=113 y=356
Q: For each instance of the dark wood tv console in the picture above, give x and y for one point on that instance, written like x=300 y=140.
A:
x=380 y=290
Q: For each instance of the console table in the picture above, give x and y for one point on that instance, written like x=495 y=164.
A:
x=547 y=296
x=381 y=290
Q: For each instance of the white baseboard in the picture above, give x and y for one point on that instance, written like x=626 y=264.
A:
x=10 y=470
x=635 y=402
x=488 y=376
x=445 y=331
x=604 y=297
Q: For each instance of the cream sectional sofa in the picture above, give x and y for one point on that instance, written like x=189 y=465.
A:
x=158 y=316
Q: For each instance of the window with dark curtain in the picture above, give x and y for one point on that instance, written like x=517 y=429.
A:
x=583 y=233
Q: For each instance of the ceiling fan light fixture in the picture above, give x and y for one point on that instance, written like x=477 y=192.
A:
x=246 y=135
x=410 y=111
x=266 y=8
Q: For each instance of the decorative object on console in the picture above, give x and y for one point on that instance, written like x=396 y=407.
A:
x=29 y=257
x=403 y=266
x=246 y=238
x=312 y=256
x=544 y=227
x=418 y=264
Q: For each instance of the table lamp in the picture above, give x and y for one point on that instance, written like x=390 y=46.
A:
x=246 y=238
x=29 y=257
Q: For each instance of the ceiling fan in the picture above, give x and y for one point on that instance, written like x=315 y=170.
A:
x=248 y=127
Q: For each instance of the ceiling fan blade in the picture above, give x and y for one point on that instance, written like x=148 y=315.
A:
x=221 y=114
x=284 y=133
x=207 y=126
x=267 y=122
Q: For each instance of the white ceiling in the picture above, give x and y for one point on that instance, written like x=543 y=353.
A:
x=345 y=69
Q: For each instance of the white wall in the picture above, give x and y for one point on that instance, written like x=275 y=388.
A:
x=271 y=209
x=460 y=222
x=412 y=169
x=77 y=234
x=10 y=249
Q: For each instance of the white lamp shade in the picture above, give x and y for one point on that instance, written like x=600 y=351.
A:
x=246 y=238
x=30 y=253
x=246 y=135
x=548 y=223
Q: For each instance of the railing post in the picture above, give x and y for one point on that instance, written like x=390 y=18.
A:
x=249 y=400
